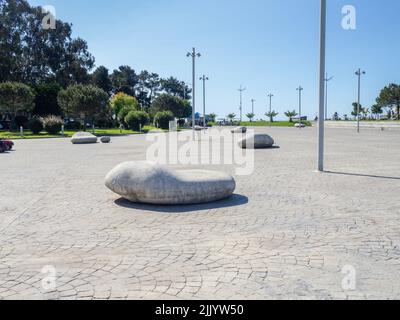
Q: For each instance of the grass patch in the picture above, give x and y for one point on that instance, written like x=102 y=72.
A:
x=69 y=133
x=273 y=124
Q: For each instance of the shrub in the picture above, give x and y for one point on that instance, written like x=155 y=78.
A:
x=123 y=113
x=36 y=125
x=53 y=124
x=163 y=118
x=120 y=101
x=135 y=119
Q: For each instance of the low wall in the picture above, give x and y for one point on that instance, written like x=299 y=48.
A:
x=377 y=125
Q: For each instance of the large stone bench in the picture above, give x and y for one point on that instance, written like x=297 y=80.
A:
x=154 y=184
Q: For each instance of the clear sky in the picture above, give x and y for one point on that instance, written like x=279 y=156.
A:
x=264 y=45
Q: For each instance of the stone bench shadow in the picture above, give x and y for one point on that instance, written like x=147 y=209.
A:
x=233 y=201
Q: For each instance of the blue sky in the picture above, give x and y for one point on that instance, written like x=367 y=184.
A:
x=264 y=45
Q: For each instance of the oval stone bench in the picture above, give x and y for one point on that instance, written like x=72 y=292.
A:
x=83 y=138
x=154 y=184
x=239 y=130
x=257 y=141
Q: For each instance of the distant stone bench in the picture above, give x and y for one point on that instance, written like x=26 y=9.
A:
x=83 y=138
x=257 y=141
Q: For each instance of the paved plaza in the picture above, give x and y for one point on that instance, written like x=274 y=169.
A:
x=288 y=233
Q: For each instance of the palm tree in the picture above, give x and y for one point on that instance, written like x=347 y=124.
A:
x=212 y=117
x=231 y=117
x=291 y=115
x=271 y=115
x=354 y=113
x=377 y=110
x=250 y=116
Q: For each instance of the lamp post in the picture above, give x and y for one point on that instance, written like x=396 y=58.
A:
x=359 y=73
x=270 y=108
x=326 y=95
x=321 y=116
x=300 y=89
x=241 y=90
x=193 y=55
x=204 y=79
x=252 y=105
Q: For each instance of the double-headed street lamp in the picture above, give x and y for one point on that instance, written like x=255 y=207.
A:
x=270 y=108
x=241 y=90
x=359 y=73
x=204 y=79
x=300 y=89
x=193 y=55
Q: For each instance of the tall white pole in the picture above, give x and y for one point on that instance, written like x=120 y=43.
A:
x=241 y=102
x=358 y=100
x=204 y=79
x=194 y=92
x=321 y=117
x=270 y=109
x=194 y=55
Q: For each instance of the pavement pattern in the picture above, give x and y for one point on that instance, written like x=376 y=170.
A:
x=287 y=233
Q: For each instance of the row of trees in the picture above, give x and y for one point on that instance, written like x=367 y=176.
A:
x=56 y=70
x=89 y=103
x=388 y=101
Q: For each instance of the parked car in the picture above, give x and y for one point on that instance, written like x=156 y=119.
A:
x=6 y=145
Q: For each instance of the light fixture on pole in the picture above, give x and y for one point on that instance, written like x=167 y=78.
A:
x=359 y=73
x=321 y=116
x=204 y=79
x=300 y=89
x=193 y=55
x=241 y=90
x=326 y=95
x=270 y=108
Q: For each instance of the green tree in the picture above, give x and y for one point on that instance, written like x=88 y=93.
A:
x=149 y=85
x=389 y=97
x=250 y=116
x=376 y=110
x=355 y=112
x=101 y=78
x=31 y=54
x=175 y=87
x=271 y=115
x=125 y=80
x=121 y=101
x=46 y=100
x=16 y=97
x=166 y=102
x=83 y=101
x=231 y=117
x=212 y=117
x=291 y=115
